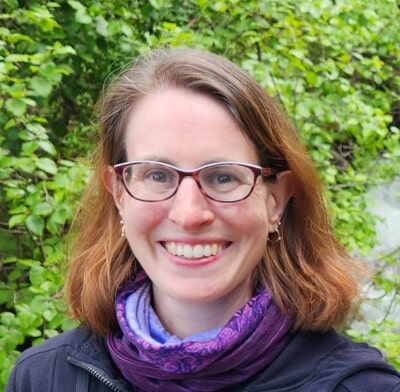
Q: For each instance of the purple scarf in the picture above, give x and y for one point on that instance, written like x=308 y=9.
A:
x=250 y=341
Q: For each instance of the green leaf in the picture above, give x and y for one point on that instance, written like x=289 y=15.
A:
x=36 y=131
x=51 y=333
x=101 y=25
x=35 y=224
x=41 y=86
x=81 y=15
x=20 y=209
x=114 y=27
x=37 y=276
x=42 y=209
x=8 y=319
x=155 y=4
x=47 y=165
x=28 y=148
x=48 y=147
x=16 y=106
x=17 y=58
x=63 y=50
x=3 y=68
x=16 y=220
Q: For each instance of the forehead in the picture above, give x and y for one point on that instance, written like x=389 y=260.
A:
x=185 y=128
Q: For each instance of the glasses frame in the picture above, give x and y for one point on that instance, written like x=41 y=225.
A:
x=268 y=173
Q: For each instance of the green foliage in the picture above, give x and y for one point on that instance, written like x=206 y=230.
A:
x=383 y=331
x=380 y=334
x=332 y=65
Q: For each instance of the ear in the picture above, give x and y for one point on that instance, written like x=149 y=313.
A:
x=280 y=193
x=114 y=186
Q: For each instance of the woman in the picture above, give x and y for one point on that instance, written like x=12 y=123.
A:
x=203 y=258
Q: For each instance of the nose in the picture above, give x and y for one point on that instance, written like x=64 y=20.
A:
x=190 y=207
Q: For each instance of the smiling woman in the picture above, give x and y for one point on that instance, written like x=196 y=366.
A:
x=203 y=257
x=191 y=218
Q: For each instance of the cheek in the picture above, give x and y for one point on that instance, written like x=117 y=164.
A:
x=251 y=217
x=141 y=217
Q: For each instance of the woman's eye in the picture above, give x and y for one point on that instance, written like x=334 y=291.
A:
x=158 y=176
x=223 y=178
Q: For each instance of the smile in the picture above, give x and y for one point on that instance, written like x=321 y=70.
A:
x=193 y=251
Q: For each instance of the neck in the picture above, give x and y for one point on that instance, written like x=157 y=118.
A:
x=184 y=319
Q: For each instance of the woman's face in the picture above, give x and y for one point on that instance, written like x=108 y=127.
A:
x=188 y=130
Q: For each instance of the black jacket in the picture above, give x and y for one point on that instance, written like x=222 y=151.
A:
x=78 y=361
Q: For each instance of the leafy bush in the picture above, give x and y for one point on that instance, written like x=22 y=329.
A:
x=332 y=65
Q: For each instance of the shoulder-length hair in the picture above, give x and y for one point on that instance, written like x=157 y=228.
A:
x=307 y=272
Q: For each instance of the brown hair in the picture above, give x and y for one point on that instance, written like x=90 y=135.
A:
x=307 y=272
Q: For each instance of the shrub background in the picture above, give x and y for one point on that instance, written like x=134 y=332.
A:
x=334 y=66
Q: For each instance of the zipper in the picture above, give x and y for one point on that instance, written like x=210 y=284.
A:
x=97 y=373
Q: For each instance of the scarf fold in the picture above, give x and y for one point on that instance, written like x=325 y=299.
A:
x=251 y=340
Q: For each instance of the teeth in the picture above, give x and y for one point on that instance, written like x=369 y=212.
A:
x=198 y=251
x=188 y=252
x=193 y=252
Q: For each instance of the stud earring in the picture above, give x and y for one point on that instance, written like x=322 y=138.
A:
x=122 y=228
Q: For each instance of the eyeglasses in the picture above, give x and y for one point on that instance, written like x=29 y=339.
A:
x=225 y=182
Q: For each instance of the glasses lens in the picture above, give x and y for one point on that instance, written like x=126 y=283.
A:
x=228 y=182
x=150 y=181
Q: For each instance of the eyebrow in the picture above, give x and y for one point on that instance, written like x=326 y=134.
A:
x=173 y=163
x=156 y=158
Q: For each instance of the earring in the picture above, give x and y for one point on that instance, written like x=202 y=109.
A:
x=277 y=232
x=122 y=228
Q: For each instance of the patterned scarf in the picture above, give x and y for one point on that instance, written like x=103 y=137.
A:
x=251 y=340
